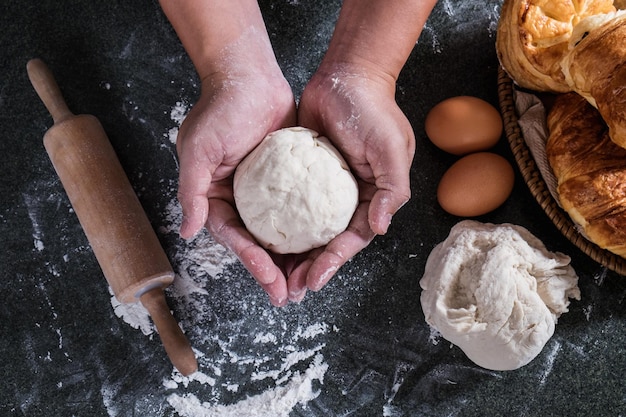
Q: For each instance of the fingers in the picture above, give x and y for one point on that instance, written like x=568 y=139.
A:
x=390 y=167
x=194 y=182
x=277 y=292
x=225 y=227
x=296 y=284
x=384 y=205
x=195 y=212
x=343 y=247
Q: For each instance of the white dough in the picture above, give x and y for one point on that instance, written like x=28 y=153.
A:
x=496 y=292
x=294 y=192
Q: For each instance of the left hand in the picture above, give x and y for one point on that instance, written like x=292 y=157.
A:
x=357 y=111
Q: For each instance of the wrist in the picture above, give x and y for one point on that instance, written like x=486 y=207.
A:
x=350 y=54
x=221 y=36
x=377 y=35
x=333 y=73
x=249 y=55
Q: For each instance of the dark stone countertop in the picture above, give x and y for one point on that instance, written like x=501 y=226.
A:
x=362 y=342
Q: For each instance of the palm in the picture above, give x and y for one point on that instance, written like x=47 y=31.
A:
x=228 y=121
x=363 y=120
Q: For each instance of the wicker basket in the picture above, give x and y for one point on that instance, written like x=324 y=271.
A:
x=538 y=187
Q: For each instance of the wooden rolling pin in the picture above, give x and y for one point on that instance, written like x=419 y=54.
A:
x=123 y=240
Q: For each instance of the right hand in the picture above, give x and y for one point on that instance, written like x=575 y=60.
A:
x=232 y=116
x=356 y=108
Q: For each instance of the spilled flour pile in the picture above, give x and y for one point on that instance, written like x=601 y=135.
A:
x=254 y=360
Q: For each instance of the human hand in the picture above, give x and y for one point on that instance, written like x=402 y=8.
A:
x=357 y=111
x=233 y=114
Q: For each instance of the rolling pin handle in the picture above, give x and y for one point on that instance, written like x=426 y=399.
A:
x=48 y=90
x=174 y=341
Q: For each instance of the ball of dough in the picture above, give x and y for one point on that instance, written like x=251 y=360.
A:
x=295 y=192
x=496 y=292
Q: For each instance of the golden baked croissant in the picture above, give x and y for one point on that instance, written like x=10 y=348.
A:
x=533 y=35
x=595 y=67
x=590 y=169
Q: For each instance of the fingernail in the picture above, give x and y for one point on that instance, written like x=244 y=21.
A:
x=187 y=232
x=278 y=302
x=184 y=230
x=298 y=296
x=386 y=222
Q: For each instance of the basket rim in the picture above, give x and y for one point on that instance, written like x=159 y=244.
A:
x=537 y=186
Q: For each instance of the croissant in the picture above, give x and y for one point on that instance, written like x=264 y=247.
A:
x=590 y=169
x=533 y=38
x=595 y=67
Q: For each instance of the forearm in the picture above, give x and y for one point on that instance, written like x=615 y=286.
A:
x=377 y=35
x=219 y=35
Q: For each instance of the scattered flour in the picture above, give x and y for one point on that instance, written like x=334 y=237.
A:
x=549 y=364
x=133 y=314
x=434 y=337
x=312 y=331
x=178 y=114
x=265 y=338
x=34 y=213
x=275 y=402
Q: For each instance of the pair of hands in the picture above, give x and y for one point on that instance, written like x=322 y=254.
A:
x=354 y=108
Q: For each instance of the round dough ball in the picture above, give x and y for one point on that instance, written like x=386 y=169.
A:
x=295 y=192
x=496 y=292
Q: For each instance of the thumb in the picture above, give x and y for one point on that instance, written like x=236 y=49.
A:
x=384 y=204
x=194 y=182
x=391 y=166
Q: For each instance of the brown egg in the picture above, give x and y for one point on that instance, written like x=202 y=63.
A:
x=476 y=184
x=464 y=124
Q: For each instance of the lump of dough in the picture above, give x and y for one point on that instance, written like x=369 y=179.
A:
x=295 y=192
x=496 y=292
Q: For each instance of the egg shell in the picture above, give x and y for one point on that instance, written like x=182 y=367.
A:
x=463 y=124
x=476 y=184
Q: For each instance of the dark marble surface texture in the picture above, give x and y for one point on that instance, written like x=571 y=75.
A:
x=65 y=350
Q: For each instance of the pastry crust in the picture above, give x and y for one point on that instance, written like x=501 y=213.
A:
x=591 y=171
x=533 y=38
x=596 y=68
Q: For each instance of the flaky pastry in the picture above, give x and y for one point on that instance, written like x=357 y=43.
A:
x=595 y=67
x=533 y=37
x=590 y=169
